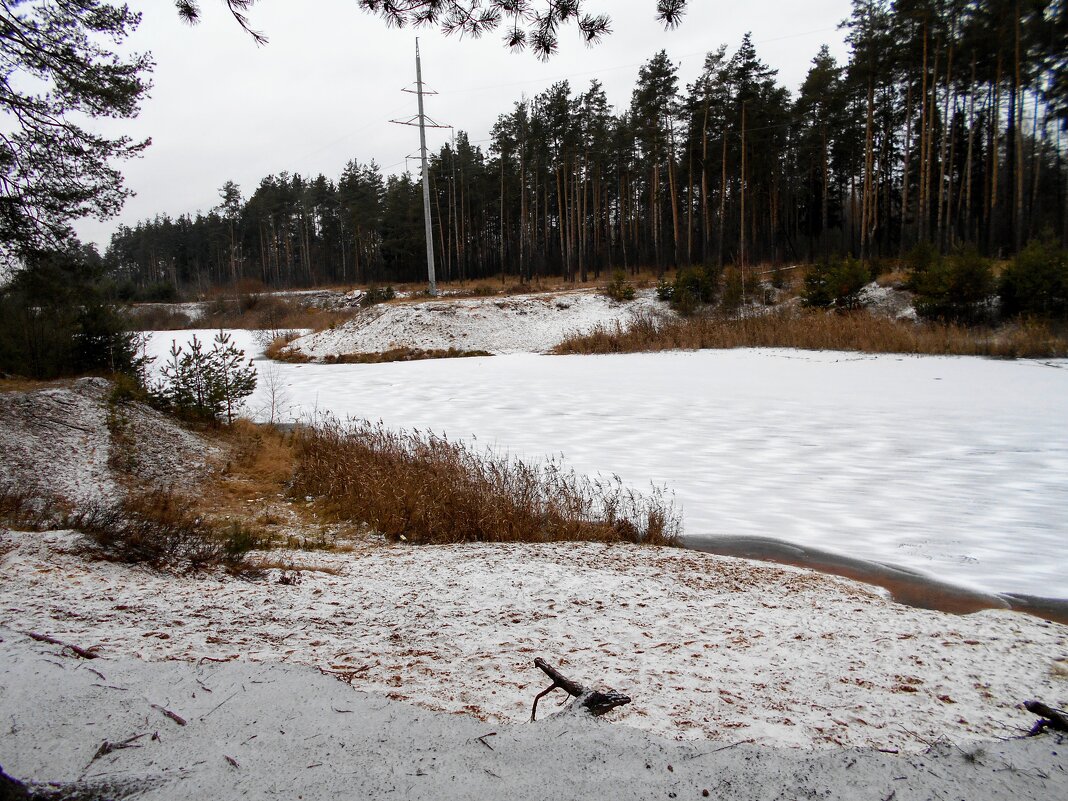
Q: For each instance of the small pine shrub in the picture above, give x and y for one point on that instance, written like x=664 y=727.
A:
x=619 y=288
x=958 y=288
x=665 y=289
x=836 y=284
x=919 y=261
x=733 y=289
x=694 y=287
x=205 y=385
x=377 y=294
x=1036 y=282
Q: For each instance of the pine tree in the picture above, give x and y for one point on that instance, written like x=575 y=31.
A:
x=60 y=65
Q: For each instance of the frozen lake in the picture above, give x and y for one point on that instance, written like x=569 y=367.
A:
x=957 y=467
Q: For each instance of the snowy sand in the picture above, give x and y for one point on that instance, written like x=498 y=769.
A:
x=708 y=647
x=957 y=467
x=280 y=731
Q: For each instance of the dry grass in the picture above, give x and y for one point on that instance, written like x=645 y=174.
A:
x=158 y=317
x=404 y=354
x=23 y=507
x=426 y=489
x=291 y=566
x=254 y=312
x=17 y=384
x=276 y=350
x=260 y=464
x=269 y=313
x=279 y=351
x=819 y=330
x=160 y=529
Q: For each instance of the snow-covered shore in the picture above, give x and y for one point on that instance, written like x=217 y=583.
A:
x=708 y=647
x=288 y=731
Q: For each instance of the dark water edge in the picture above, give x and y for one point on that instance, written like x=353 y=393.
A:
x=905 y=586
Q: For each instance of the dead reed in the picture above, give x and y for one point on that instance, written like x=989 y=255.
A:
x=427 y=489
x=278 y=350
x=265 y=312
x=404 y=354
x=820 y=330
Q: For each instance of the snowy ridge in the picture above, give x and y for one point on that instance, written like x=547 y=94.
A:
x=61 y=440
x=513 y=324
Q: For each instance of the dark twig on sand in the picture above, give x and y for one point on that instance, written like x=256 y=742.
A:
x=172 y=715
x=107 y=747
x=82 y=652
x=1049 y=718
x=595 y=702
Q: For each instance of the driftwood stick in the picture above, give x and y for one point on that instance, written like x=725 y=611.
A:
x=595 y=702
x=82 y=652
x=1050 y=718
x=559 y=679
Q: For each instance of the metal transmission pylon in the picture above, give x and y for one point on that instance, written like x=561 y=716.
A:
x=424 y=122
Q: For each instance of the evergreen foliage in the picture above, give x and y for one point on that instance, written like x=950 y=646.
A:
x=836 y=283
x=619 y=288
x=959 y=288
x=60 y=64
x=1036 y=282
x=533 y=24
x=208 y=385
x=694 y=287
x=56 y=320
x=376 y=295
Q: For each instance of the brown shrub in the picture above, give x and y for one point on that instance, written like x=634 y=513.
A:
x=158 y=317
x=819 y=330
x=157 y=528
x=24 y=507
x=266 y=312
x=430 y=490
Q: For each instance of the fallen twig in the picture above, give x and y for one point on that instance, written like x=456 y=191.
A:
x=595 y=702
x=482 y=739
x=107 y=747
x=1049 y=718
x=172 y=715
x=84 y=653
x=223 y=701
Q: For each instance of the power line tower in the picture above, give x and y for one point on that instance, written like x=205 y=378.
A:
x=423 y=122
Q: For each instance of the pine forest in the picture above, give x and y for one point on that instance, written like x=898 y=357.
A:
x=947 y=127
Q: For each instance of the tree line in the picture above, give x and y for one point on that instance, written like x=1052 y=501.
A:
x=946 y=127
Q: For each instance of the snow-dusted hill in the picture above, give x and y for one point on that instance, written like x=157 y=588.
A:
x=512 y=324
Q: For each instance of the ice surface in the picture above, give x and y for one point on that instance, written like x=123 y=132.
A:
x=954 y=466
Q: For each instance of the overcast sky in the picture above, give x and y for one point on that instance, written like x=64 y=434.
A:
x=324 y=89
